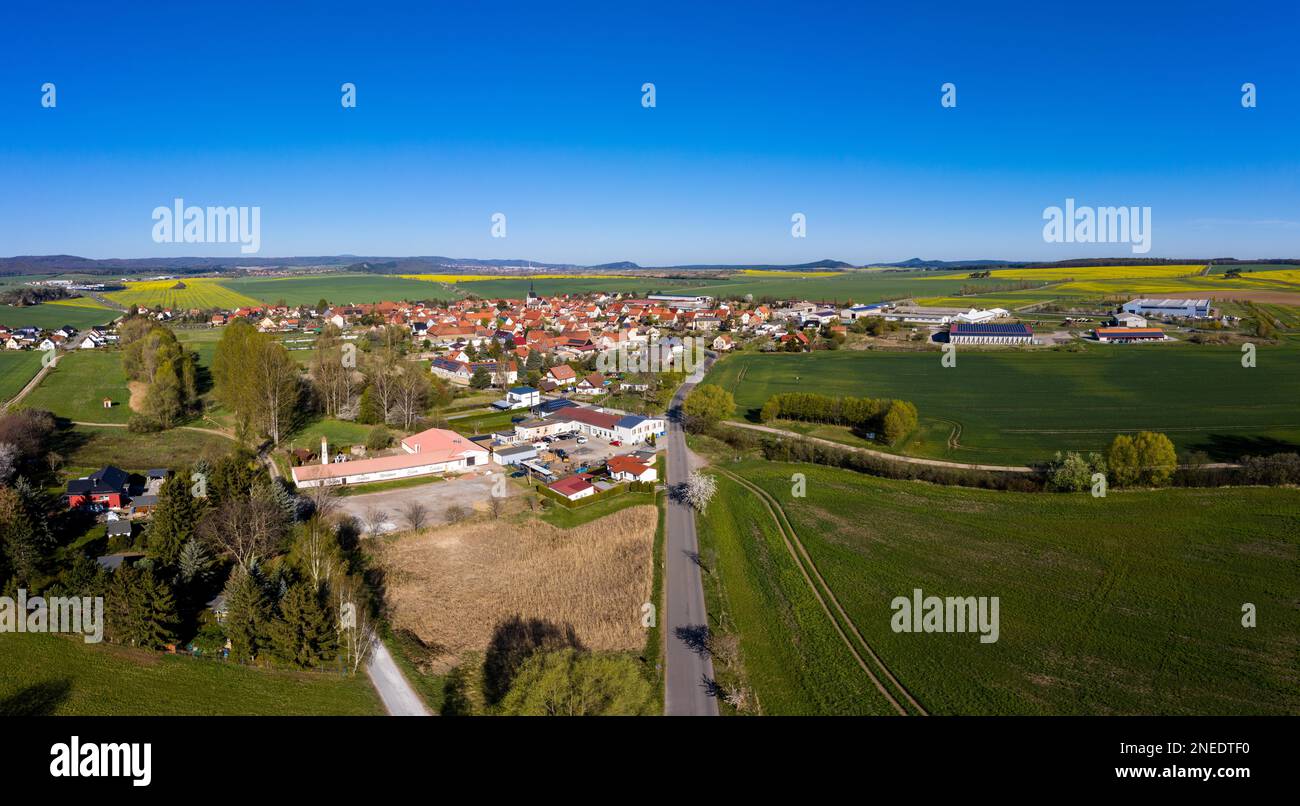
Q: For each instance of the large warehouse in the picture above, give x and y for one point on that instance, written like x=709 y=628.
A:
x=1129 y=334
x=1189 y=308
x=434 y=451
x=1017 y=333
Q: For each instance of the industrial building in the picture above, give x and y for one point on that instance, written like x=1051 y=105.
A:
x=1188 y=308
x=966 y=333
x=434 y=451
x=1129 y=334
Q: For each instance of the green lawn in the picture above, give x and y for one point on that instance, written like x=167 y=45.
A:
x=17 y=367
x=76 y=387
x=1130 y=604
x=47 y=674
x=1021 y=406
x=336 y=289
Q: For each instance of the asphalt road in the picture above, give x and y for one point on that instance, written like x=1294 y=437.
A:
x=689 y=669
x=397 y=695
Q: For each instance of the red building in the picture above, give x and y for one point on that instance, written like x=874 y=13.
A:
x=107 y=486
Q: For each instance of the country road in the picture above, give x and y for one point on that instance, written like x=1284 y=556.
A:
x=32 y=384
x=689 y=667
x=398 y=697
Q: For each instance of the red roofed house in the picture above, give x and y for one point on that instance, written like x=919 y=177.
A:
x=630 y=468
x=434 y=451
x=573 y=487
x=562 y=375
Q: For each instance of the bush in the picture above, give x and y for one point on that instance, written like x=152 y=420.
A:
x=141 y=424
x=378 y=438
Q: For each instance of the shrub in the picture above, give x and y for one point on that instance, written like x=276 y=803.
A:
x=378 y=438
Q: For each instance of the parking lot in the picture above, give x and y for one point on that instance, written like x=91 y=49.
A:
x=470 y=491
x=591 y=452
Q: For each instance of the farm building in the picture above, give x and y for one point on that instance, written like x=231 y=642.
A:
x=1190 y=308
x=1129 y=320
x=964 y=333
x=1129 y=334
x=434 y=451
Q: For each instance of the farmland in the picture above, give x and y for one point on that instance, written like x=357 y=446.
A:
x=80 y=313
x=84 y=448
x=17 y=367
x=1013 y=407
x=196 y=292
x=1128 y=604
x=50 y=674
x=342 y=289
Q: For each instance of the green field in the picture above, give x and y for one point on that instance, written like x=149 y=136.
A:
x=52 y=315
x=1129 y=604
x=17 y=367
x=88 y=447
x=792 y=658
x=336 y=289
x=76 y=387
x=1011 y=407
x=46 y=674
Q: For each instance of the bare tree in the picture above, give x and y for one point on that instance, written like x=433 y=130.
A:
x=316 y=551
x=324 y=500
x=374 y=518
x=416 y=515
x=382 y=373
x=356 y=631
x=410 y=393
x=248 y=528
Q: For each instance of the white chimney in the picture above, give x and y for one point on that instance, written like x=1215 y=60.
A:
x=324 y=451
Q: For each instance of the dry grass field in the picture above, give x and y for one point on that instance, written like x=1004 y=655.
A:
x=452 y=586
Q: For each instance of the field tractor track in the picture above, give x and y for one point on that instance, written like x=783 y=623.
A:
x=822 y=591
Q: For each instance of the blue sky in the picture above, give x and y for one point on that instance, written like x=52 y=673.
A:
x=763 y=110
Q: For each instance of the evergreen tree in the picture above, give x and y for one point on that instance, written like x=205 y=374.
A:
x=304 y=633
x=247 y=614
x=175 y=520
x=368 y=411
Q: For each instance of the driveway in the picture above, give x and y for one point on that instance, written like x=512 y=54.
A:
x=470 y=491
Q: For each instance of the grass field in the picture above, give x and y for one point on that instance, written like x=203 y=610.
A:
x=1010 y=407
x=1129 y=604
x=50 y=315
x=76 y=387
x=199 y=292
x=91 y=447
x=46 y=674
x=788 y=653
x=17 y=367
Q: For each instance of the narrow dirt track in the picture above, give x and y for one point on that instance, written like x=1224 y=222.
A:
x=804 y=561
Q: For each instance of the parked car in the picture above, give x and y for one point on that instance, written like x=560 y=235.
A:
x=582 y=440
x=615 y=443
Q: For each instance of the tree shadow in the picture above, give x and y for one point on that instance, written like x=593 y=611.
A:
x=41 y=699
x=696 y=637
x=514 y=641
x=1229 y=447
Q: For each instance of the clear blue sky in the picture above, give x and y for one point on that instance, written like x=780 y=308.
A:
x=764 y=109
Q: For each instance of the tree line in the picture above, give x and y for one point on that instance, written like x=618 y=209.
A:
x=889 y=419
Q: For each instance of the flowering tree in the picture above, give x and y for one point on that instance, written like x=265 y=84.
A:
x=699 y=490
